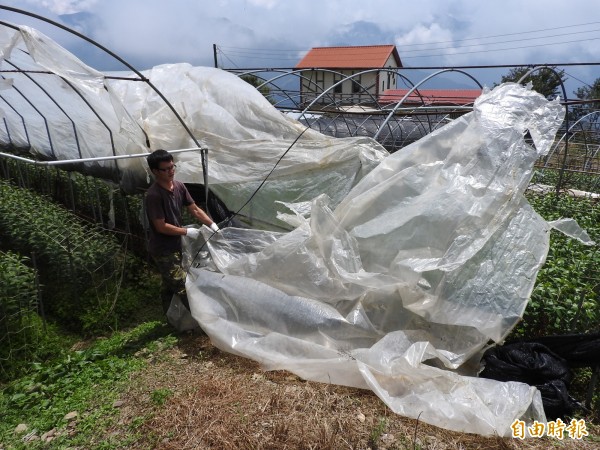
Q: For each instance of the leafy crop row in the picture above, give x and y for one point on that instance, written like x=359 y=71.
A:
x=73 y=249
x=17 y=285
x=566 y=297
x=100 y=201
x=87 y=276
x=18 y=309
x=568 y=180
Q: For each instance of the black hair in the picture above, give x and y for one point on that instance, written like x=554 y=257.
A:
x=156 y=157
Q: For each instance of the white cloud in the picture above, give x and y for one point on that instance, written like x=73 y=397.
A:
x=63 y=6
x=150 y=32
x=423 y=43
x=264 y=3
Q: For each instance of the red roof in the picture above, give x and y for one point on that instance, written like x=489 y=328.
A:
x=431 y=96
x=357 y=57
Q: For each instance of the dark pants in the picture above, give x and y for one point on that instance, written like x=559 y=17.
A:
x=173 y=279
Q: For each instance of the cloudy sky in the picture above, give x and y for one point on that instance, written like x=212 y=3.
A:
x=275 y=33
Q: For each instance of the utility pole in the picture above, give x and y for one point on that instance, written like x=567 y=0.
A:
x=215 y=55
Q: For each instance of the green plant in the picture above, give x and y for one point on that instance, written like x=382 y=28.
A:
x=377 y=432
x=32 y=222
x=160 y=396
x=18 y=292
x=19 y=333
x=587 y=182
x=86 y=381
x=101 y=201
x=566 y=297
x=88 y=276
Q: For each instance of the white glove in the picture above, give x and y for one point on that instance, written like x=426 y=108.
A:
x=193 y=233
x=214 y=227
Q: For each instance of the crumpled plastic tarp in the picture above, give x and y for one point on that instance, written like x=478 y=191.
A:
x=403 y=285
x=64 y=109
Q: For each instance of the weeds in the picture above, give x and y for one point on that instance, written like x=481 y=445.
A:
x=377 y=432
x=84 y=383
x=160 y=396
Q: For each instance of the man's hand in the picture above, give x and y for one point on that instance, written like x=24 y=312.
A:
x=214 y=227
x=193 y=233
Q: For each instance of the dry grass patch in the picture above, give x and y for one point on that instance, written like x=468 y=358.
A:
x=194 y=396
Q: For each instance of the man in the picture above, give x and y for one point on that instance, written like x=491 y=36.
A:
x=165 y=200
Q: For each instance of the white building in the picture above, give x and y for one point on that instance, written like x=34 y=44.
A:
x=367 y=70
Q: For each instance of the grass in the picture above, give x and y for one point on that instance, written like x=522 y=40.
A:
x=151 y=389
x=73 y=396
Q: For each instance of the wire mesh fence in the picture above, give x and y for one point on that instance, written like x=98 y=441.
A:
x=573 y=163
x=67 y=241
x=19 y=320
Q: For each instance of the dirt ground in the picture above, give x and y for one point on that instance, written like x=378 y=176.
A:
x=194 y=396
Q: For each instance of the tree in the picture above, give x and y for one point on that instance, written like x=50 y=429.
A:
x=545 y=80
x=590 y=97
x=258 y=84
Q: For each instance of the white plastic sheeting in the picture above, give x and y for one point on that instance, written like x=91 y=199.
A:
x=399 y=270
x=62 y=109
x=401 y=286
x=58 y=108
x=246 y=137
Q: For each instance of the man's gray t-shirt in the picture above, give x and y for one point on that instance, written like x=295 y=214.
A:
x=164 y=204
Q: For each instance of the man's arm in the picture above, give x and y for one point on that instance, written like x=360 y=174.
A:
x=166 y=228
x=199 y=214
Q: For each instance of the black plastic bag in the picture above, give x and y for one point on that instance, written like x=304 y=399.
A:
x=535 y=364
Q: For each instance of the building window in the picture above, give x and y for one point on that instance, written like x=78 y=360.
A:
x=320 y=79
x=356 y=85
x=336 y=79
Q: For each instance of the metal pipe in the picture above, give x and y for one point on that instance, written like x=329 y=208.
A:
x=99 y=158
